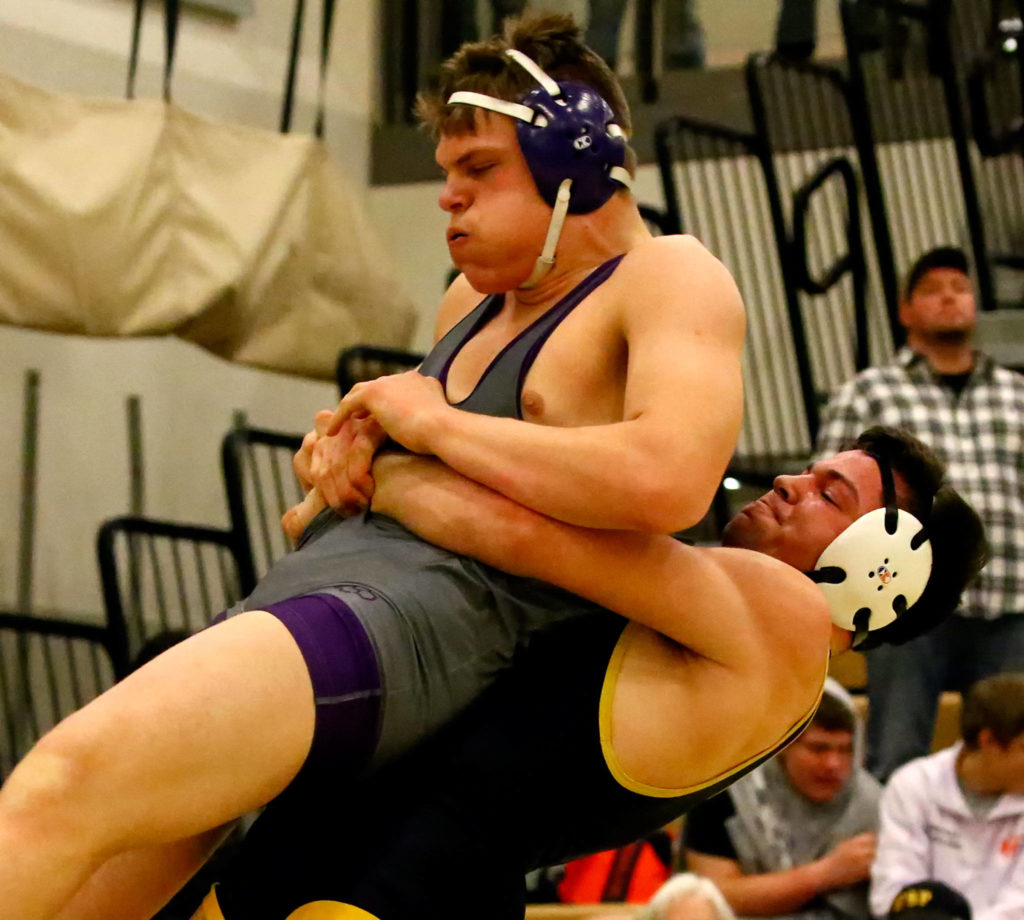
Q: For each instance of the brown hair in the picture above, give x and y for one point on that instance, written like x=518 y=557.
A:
x=833 y=715
x=553 y=41
x=995 y=703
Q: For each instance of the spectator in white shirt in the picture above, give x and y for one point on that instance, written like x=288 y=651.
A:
x=957 y=817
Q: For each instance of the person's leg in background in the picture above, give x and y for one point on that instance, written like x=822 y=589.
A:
x=683 y=38
x=988 y=647
x=796 y=30
x=458 y=25
x=684 y=35
x=904 y=685
x=502 y=9
x=604 y=27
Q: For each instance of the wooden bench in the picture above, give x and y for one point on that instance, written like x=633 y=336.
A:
x=582 y=911
x=947 y=719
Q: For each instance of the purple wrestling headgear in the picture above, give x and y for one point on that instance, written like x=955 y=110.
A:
x=572 y=147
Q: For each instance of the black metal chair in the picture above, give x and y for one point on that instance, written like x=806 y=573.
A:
x=824 y=165
x=368 y=362
x=48 y=669
x=162 y=576
x=715 y=182
x=995 y=96
x=260 y=485
x=909 y=88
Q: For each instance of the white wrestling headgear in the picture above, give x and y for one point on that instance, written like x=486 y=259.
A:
x=572 y=146
x=877 y=568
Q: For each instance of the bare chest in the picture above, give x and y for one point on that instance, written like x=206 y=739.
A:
x=575 y=377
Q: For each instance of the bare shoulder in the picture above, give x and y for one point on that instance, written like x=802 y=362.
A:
x=678 y=273
x=787 y=611
x=458 y=300
x=762 y=657
x=675 y=255
x=779 y=683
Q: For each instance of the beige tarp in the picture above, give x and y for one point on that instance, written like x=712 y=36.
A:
x=136 y=218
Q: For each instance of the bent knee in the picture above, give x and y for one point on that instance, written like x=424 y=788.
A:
x=62 y=783
x=42 y=790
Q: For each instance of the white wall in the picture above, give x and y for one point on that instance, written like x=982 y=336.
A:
x=732 y=30
x=187 y=398
x=226 y=68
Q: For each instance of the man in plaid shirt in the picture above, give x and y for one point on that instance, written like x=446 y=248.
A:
x=971 y=411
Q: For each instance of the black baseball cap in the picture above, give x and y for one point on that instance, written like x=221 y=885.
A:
x=940 y=257
x=929 y=901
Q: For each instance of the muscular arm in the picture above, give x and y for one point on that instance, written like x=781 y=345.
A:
x=682 y=320
x=765 y=895
x=721 y=603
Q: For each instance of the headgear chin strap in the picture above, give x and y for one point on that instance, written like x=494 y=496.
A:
x=572 y=147
x=877 y=568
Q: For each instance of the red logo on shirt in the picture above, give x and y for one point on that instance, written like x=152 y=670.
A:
x=1010 y=845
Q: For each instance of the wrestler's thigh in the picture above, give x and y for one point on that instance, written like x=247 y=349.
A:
x=209 y=730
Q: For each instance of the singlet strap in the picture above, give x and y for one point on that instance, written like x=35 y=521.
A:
x=622 y=777
x=541 y=330
x=498 y=390
x=439 y=360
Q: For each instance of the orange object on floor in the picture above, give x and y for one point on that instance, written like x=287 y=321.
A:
x=632 y=873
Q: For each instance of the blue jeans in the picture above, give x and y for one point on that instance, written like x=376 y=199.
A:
x=905 y=682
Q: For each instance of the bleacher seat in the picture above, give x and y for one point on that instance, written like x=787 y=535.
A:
x=581 y=911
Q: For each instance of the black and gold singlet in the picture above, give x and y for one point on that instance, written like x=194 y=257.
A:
x=522 y=780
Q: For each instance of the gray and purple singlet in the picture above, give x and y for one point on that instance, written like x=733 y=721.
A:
x=400 y=635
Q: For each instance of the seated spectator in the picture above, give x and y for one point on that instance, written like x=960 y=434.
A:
x=957 y=817
x=687 y=897
x=796 y=836
x=929 y=901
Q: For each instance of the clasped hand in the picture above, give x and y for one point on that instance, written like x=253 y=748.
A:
x=335 y=460
x=335 y=470
x=407 y=406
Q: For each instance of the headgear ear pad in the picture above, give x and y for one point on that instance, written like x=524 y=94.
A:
x=875 y=569
x=576 y=139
